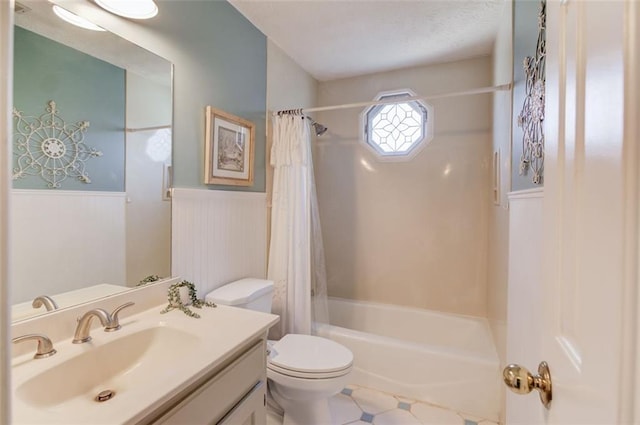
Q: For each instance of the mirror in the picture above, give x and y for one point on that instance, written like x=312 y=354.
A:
x=91 y=210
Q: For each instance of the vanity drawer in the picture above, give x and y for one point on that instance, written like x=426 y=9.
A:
x=234 y=389
x=250 y=410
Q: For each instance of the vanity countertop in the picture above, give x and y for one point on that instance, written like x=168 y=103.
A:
x=153 y=358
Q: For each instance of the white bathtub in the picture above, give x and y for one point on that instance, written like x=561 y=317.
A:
x=444 y=359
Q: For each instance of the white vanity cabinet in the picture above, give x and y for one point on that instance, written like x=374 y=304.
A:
x=163 y=369
x=234 y=395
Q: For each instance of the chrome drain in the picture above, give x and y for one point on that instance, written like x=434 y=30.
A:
x=105 y=395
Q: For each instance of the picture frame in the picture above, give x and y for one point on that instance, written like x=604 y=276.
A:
x=229 y=149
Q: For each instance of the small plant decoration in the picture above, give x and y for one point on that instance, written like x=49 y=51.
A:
x=149 y=279
x=176 y=302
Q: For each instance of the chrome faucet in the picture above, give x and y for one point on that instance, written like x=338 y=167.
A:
x=45 y=347
x=115 y=321
x=84 y=324
x=45 y=301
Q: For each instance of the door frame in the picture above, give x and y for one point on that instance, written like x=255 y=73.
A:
x=6 y=120
x=630 y=368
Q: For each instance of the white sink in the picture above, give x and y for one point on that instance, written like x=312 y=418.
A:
x=118 y=366
x=152 y=360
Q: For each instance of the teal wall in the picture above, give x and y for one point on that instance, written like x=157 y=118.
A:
x=84 y=88
x=220 y=59
x=525 y=36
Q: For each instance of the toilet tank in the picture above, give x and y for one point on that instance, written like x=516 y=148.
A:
x=249 y=293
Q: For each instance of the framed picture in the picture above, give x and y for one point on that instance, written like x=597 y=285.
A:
x=229 y=147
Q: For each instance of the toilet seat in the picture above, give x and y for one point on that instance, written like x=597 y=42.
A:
x=308 y=375
x=309 y=357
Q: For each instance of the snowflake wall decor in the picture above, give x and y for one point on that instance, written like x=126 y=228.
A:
x=48 y=146
x=531 y=118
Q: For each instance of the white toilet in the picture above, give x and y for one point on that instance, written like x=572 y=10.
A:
x=303 y=371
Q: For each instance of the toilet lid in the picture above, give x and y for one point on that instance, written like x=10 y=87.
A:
x=309 y=354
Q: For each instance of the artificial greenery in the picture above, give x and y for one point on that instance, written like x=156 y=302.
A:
x=176 y=302
x=149 y=279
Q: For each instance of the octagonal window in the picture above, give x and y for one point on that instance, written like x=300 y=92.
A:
x=397 y=130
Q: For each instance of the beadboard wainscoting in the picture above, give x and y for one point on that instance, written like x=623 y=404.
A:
x=526 y=229
x=64 y=240
x=218 y=236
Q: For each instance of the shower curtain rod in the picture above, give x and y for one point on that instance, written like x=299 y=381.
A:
x=481 y=90
x=157 y=127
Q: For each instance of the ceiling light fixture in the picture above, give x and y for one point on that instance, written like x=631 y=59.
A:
x=74 y=19
x=133 y=9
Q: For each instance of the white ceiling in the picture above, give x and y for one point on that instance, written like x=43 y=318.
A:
x=334 y=39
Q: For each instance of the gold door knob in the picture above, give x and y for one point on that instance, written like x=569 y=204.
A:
x=520 y=381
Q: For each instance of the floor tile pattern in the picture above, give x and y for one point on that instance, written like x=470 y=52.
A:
x=359 y=405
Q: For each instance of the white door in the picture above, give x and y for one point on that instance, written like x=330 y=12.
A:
x=586 y=326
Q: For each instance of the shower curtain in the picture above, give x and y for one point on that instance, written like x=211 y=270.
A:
x=296 y=255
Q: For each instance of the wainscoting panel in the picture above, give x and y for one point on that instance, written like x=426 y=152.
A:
x=218 y=236
x=64 y=240
x=524 y=314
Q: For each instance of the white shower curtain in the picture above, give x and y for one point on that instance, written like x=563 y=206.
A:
x=296 y=257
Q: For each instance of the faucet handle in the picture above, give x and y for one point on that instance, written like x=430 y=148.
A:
x=115 y=322
x=45 y=347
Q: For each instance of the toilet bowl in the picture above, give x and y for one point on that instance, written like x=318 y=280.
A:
x=303 y=371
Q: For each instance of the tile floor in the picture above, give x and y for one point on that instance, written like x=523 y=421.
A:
x=359 y=405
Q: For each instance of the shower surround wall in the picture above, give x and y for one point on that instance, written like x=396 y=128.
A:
x=409 y=233
x=498 y=258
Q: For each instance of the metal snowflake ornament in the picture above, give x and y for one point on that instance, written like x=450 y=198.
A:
x=51 y=148
x=531 y=118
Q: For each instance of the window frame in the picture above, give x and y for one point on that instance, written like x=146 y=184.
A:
x=427 y=127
